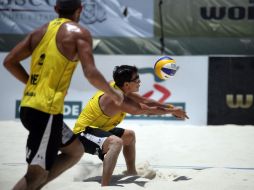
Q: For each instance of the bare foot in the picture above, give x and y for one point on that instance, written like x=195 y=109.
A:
x=130 y=172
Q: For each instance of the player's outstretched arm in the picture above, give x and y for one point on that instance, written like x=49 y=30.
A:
x=179 y=113
x=94 y=76
x=132 y=107
x=153 y=104
x=147 y=101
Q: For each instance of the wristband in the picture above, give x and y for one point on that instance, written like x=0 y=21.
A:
x=170 y=106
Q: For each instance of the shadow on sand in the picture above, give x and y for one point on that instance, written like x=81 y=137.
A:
x=119 y=180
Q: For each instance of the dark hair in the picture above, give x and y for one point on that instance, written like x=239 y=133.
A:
x=123 y=73
x=67 y=7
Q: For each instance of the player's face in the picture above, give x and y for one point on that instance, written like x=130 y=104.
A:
x=135 y=82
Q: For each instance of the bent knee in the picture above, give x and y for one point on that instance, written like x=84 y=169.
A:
x=113 y=142
x=35 y=176
x=129 y=137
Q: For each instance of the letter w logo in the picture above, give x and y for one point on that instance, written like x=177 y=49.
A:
x=213 y=13
x=239 y=101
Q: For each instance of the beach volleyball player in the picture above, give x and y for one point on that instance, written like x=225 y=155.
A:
x=56 y=48
x=97 y=123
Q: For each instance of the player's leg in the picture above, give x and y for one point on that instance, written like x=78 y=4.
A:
x=129 y=151
x=129 y=148
x=34 y=176
x=43 y=143
x=111 y=147
x=104 y=144
x=70 y=153
x=68 y=157
x=21 y=184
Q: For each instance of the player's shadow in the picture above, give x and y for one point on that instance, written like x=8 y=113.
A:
x=182 y=178
x=118 y=180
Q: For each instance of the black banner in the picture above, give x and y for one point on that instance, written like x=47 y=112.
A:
x=231 y=90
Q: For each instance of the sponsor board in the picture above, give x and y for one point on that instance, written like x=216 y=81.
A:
x=188 y=89
x=72 y=109
x=101 y=17
x=206 y=18
x=231 y=91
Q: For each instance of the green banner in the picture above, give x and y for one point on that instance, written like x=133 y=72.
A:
x=205 y=18
x=71 y=110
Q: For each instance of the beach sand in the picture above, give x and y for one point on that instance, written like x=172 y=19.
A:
x=169 y=156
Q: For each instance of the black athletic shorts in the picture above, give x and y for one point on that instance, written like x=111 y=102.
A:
x=47 y=134
x=93 y=139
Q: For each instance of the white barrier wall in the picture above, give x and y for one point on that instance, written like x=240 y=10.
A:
x=188 y=89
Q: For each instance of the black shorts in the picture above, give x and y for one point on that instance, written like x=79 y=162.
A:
x=93 y=139
x=47 y=134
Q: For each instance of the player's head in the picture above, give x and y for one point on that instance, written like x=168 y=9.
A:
x=69 y=9
x=125 y=74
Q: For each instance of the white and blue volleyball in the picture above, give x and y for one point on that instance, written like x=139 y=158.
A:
x=165 y=67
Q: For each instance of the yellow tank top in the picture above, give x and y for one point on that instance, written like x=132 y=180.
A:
x=50 y=74
x=93 y=116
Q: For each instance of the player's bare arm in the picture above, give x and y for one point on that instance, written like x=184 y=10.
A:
x=22 y=51
x=109 y=107
x=75 y=42
x=149 y=102
x=177 y=112
x=82 y=44
x=134 y=108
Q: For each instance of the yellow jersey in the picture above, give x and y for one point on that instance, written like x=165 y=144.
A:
x=50 y=74
x=93 y=116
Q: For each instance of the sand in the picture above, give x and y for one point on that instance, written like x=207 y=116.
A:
x=172 y=157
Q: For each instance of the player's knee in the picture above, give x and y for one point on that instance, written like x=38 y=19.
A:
x=35 y=176
x=129 y=137
x=115 y=142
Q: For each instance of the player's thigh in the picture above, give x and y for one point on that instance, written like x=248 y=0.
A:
x=117 y=131
x=93 y=140
x=127 y=135
x=44 y=137
x=71 y=144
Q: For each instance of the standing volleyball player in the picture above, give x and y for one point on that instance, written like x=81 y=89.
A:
x=55 y=48
x=96 y=125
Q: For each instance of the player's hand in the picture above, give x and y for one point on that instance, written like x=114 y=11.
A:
x=170 y=106
x=179 y=113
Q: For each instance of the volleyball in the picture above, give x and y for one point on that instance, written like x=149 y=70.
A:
x=165 y=67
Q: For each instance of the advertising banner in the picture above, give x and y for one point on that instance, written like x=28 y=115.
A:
x=231 y=90
x=188 y=89
x=111 y=18
x=144 y=27
x=206 y=18
x=102 y=17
